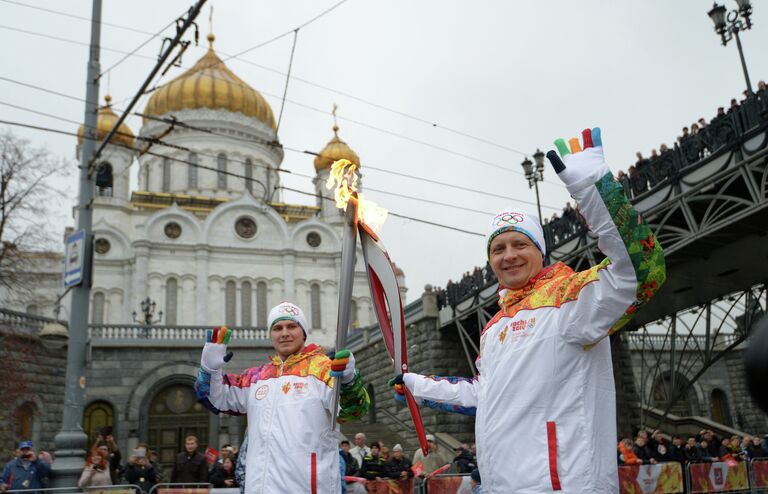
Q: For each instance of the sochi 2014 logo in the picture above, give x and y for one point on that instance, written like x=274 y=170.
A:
x=508 y=218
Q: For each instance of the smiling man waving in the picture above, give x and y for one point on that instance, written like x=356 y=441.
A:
x=546 y=377
x=291 y=446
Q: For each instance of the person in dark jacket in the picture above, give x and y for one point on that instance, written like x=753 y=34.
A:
x=139 y=472
x=464 y=460
x=190 y=466
x=677 y=450
x=691 y=450
x=641 y=451
x=350 y=463
x=755 y=449
x=374 y=467
x=399 y=467
x=223 y=475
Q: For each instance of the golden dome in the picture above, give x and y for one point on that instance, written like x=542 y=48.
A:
x=107 y=119
x=210 y=84
x=336 y=149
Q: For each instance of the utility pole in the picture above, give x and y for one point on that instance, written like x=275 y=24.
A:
x=71 y=441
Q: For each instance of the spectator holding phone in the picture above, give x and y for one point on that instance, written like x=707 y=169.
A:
x=96 y=471
x=28 y=471
x=139 y=472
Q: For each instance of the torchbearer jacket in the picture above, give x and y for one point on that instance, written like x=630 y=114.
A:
x=291 y=445
x=545 y=397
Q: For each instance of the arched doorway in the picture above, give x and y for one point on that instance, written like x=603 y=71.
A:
x=97 y=417
x=719 y=408
x=174 y=413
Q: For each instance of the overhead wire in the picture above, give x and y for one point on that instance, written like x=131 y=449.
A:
x=142 y=45
x=347 y=119
x=228 y=173
x=173 y=121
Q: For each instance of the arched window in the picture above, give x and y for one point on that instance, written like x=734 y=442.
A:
x=720 y=412
x=221 y=177
x=97 y=311
x=230 y=312
x=261 y=304
x=97 y=416
x=317 y=320
x=192 y=171
x=354 y=323
x=171 y=302
x=245 y=304
x=249 y=175
x=24 y=422
x=104 y=180
x=166 y=175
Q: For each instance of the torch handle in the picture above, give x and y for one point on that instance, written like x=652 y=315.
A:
x=346 y=281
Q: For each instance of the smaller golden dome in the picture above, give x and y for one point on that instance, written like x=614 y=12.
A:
x=336 y=149
x=107 y=119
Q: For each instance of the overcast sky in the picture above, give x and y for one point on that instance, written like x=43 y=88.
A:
x=513 y=75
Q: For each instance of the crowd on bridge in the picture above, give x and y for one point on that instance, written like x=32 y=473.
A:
x=706 y=446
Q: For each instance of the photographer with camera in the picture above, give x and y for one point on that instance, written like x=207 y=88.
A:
x=96 y=471
x=139 y=471
x=28 y=471
x=106 y=443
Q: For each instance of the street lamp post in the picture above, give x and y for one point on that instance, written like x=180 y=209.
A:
x=148 y=311
x=535 y=174
x=728 y=24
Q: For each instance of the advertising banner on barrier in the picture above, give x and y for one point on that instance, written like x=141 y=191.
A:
x=718 y=477
x=389 y=486
x=450 y=484
x=662 y=478
x=760 y=471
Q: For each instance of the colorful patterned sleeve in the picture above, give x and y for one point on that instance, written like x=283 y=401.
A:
x=354 y=400
x=223 y=393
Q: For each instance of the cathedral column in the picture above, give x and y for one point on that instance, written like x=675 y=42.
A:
x=289 y=290
x=141 y=252
x=127 y=316
x=201 y=285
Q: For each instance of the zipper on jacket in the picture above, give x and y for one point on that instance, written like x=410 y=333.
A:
x=552 y=447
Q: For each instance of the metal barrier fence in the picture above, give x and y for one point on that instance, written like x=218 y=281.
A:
x=661 y=478
x=181 y=488
x=103 y=489
x=384 y=486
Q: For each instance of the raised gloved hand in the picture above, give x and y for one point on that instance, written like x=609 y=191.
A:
x=342 y=366
x=215 y=353
x=578 y=164
x=399 y=386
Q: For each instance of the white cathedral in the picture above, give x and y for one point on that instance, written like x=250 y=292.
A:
x=207 y=247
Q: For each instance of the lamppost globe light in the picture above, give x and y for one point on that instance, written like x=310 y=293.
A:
x=717 y=14
x=744 y=5
x=538 y=158
x=527 y=167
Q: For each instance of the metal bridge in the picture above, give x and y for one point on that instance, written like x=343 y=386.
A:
x=708 y=211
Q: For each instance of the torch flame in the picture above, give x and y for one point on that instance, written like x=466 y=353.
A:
x=343 y=180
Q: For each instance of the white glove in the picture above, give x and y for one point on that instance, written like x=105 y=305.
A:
x=579 y=164
x=215 y=353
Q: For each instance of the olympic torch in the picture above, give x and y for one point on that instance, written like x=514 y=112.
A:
x=364 y=218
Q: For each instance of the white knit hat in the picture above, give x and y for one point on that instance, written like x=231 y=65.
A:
x=516 y=220
x=286 y=311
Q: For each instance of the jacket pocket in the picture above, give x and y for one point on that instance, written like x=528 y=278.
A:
x=554 y=477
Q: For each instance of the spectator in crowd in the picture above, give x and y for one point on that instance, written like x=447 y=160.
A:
x=475 y=482
x=691 y=450
x=350 y=464
x=654 y=154
x=641 y=451
x=463 y=459
x=399 y=467
x=702 y=123
x=659 y=447
x=96 y=471
x=226 y=451
x=734 y=105
x=677 y=450
x=223 y=475
x=756 y=449
x=734 y=447
x=27 y=471
x=190 y=466
x=105 y=441
x=139 y=472
x=663 y=148
x=159 y=473
x=684 y=135
x=359 y=451
x=704 y=453
x=627 y=455
x=435 y=458
x=374 y=467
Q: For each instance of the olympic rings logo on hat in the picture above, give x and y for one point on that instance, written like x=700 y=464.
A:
x=290 y=310
x=508 y=218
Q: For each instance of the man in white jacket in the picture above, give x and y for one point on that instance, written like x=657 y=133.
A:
x=291 y=446
x=545 y=396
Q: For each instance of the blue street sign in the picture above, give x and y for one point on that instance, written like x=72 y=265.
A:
x=74 y=259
